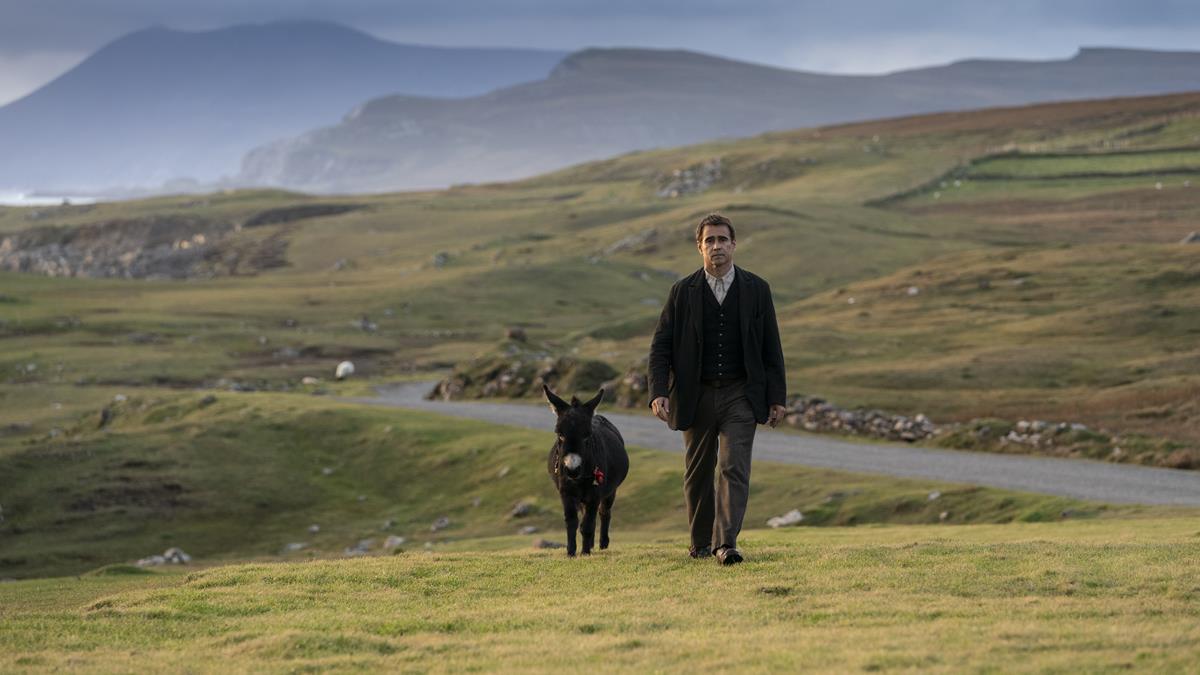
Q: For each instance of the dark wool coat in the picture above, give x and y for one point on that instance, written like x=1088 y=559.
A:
x=676 y=349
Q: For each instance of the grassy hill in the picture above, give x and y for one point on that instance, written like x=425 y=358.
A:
x=1041 y=243
x=240 y=476
x=1092 y=596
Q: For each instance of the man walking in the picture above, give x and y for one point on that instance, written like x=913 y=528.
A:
x=716 y=369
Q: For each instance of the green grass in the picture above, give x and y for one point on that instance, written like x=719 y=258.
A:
x=1091 y=335
x=245 y=475
x=1091 y=164
x=1087 y=596
x=1041 y=330
x=1086 y=315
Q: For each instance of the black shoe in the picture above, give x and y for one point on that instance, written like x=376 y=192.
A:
x=728 y=556
x=702 y=552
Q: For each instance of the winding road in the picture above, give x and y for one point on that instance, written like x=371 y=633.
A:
x=1078 y=478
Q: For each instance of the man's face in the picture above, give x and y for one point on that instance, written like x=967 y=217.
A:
x=716 y=246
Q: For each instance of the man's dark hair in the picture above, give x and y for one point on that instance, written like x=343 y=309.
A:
x=715 y=219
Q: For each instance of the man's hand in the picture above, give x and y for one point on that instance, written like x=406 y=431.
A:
x=661 y=407
x=776 y=416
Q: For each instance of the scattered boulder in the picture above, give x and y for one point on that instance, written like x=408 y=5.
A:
x=546 y=543
x=528 y=529
x=393 y=542
x=362 y=547
x=643 y=241
x=816 y=414
x=286 y=354
x=631 y=389
x=521 y=509
x=518 y=370
x=515 y=333
x=1191 y=238
x=691 y=180
x=176 y=556
x=172 y=556
x=792 y=517
x=440 y=524
x=344 y=369
x=295 y=546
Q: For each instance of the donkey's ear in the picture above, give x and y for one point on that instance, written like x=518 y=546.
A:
x=591 y=405
x=556 y=404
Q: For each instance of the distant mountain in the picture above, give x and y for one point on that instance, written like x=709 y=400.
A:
x=601 y=102
x=162 y=104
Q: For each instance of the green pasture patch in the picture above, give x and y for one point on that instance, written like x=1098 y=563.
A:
x=1092 y=595
x=1182 y=161
x=1033 y=334
x=158 y=475
x=1040 y=189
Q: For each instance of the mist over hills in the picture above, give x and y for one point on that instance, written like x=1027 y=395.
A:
x=601 y=102
x=161 y=104
x=320 y=107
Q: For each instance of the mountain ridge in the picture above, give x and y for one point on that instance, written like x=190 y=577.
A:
x=161 y=104
x=603 y=102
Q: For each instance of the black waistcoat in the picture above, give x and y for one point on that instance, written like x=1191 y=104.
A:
x=722 y=355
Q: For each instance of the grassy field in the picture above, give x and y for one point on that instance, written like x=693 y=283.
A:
x=1047 y=285
x=1094 y=596
x=1163 y=162
x=159 y=475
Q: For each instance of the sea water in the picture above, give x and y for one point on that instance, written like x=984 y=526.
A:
x=27 y=199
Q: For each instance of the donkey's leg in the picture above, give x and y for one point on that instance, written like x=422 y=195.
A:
x=571 y=516
x=605 y=517
x=589 y=526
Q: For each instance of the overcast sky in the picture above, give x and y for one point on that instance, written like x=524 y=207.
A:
x=40 y=39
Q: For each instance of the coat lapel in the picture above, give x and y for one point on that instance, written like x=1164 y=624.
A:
x=696 y=303
x=744 y=306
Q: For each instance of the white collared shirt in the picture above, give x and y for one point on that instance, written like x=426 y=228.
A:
x=724 y=288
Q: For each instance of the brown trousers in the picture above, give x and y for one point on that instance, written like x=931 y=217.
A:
x=721 y=438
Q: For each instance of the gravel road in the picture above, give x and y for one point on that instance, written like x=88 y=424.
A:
x=1078 y=478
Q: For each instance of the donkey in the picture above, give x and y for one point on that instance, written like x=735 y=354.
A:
x=587 y=464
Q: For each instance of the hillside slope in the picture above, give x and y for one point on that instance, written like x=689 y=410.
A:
x=600 y=102
x=1042 y=244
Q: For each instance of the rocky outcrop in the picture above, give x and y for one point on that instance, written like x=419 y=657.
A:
x=519 y=370
x=691 y=180
x=155 y=247
x=816 y=414
x=172 y=556
x=631 y=389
